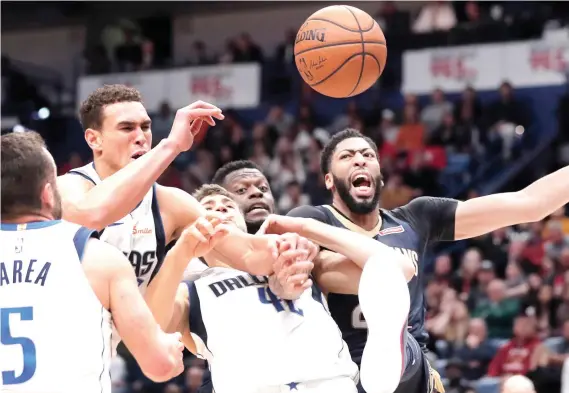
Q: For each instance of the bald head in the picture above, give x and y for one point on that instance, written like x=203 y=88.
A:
x=518 y=384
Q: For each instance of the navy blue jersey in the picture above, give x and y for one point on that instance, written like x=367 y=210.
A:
x=409 y=229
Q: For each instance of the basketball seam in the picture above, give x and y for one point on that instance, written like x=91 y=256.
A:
x=339 y=44
x=336 y=70
x=343 y=27
x=363 y=53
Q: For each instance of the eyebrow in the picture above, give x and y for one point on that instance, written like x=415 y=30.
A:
x=353 y=151
x=134 y=123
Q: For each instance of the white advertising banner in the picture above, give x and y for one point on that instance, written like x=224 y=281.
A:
x=485 y=67
x=227 y=86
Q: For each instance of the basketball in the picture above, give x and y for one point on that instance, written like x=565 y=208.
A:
x=340 y=51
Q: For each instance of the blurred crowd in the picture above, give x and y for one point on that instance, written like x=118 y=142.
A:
x=500 y=306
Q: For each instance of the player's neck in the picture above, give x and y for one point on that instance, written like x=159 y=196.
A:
x=102 y=169
x=366 y=221
x=25 y=219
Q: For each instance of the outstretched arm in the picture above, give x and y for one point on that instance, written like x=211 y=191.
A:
x=481 y=215
x=356 y=247
x=97 y=206
x=253 y=254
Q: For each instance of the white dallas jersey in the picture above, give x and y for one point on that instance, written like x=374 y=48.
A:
x=254 y=340
x=139 y=235
x=55 y=334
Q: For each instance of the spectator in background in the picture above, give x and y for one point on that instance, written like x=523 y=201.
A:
x=497 y=310
x=395 y=193
x=279 y=119
x=504 y=115
x=285 y=167
x=162 y=123
x=129 y=54
x=516 y=285
x=230 y=52
x=285 y=50
x=557 y=240
x=147 y=48
x=199 y=55
x=247 y=50
x=74 y=161
x=448 y=134
x=495 y=246
x=411 y=133
x=477 y=351
x=466 y=280
x=432 y=115
x=479 y=293
x=292 y=197
x=435 y=16
x=194 y=377
x=518 y=355
x=443 y=270
x=172 y=388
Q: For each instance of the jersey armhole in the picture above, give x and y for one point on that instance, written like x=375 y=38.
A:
x=72 y=172
x=81 y=238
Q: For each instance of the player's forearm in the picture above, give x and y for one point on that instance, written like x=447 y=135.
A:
x=356 y=247
x=161 y=293
x=245 y=252
x=117 y=195
x=548 y=194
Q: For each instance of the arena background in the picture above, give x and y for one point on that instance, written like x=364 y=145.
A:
x=473 y=100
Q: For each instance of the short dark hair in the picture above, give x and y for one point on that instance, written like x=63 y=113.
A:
x=330 y=147
x=227 y=169
x=211 y=189
x=25 y=170
x=91 y=109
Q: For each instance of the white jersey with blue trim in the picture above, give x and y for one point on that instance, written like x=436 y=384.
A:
x=235 y=320
x=139 y=235
x=54 y=333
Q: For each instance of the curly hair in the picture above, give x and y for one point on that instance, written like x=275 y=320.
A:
x=330 y=148
x=91 y=109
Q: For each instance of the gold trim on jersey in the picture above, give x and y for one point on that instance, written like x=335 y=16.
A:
x=354 y=227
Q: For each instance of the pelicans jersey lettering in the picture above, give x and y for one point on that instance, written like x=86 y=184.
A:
x=257 y=342
x=54 y=332
x=139 y=235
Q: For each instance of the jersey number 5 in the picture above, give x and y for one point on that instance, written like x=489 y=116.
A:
x=358 y=320
x=28 y=346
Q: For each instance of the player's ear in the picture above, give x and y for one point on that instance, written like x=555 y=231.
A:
x=94 y=138
x=48 y=196
x=329 y=181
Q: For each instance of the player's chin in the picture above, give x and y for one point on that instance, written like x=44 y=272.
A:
x=257 y=215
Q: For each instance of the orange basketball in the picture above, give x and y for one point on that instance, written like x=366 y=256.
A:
x=340 y=51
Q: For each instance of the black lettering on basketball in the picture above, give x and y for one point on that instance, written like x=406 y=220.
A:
x=311 y=35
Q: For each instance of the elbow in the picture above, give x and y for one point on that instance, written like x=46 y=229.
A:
x=91 y=218
x=160 y=368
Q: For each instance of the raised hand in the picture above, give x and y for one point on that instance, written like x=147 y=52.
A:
x=190 y=121
x=199 y=238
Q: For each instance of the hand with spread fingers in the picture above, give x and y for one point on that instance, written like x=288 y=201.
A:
x=292 y=268
x=199 y=238
x=190 y=121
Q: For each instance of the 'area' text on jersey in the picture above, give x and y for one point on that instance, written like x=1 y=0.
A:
x=18 y=272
